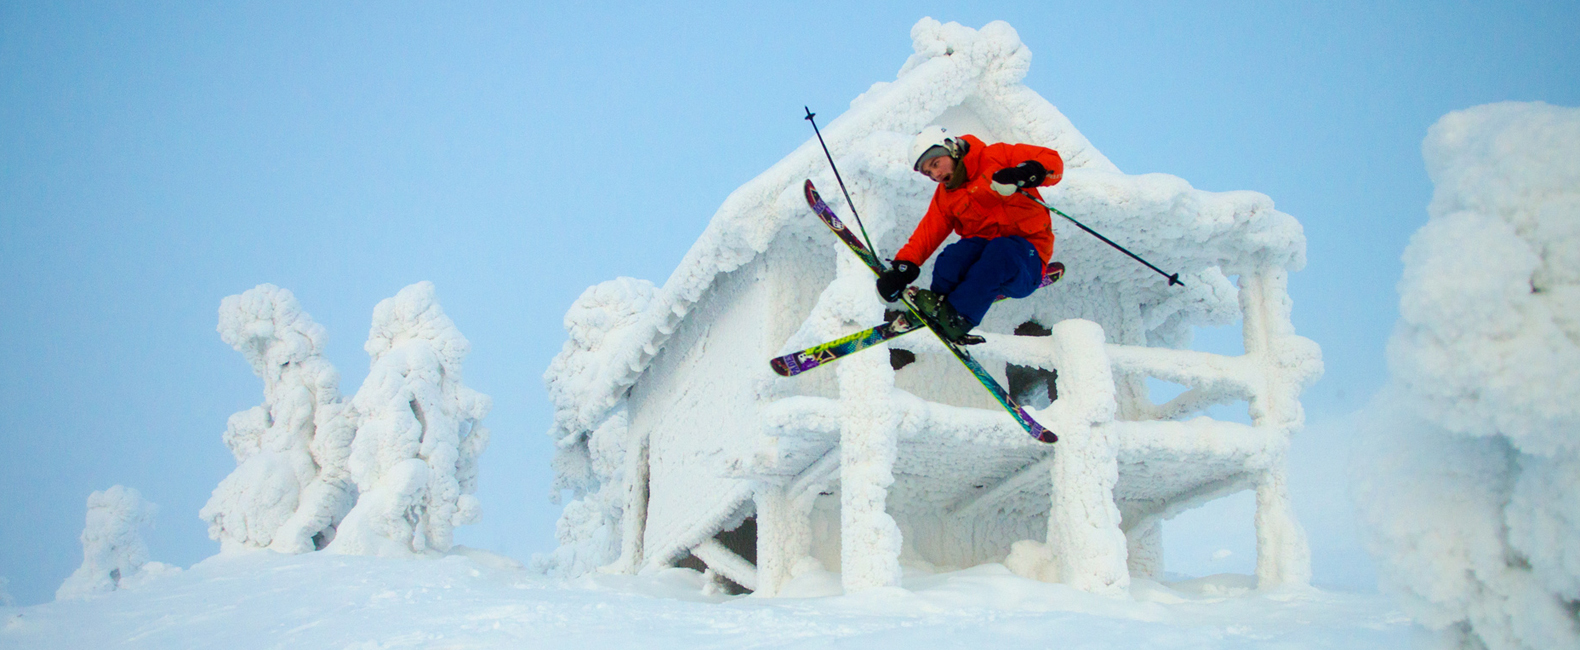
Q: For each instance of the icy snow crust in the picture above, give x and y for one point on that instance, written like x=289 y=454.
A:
x=318 y=600
x=1468 y=486
x=969 y=81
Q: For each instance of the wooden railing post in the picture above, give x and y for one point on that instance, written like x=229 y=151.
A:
x=1083 y=526
x=1286 y=364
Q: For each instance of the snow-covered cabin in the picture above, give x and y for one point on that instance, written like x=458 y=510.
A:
x=681 y=445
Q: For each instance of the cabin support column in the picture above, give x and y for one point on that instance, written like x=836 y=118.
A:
x=633 y=518
x=784 y=523
x=1288 y=363
x=1144 y=547
x=777 y=536
x=869 y=444
x=1282 y=557
x=1083 y=526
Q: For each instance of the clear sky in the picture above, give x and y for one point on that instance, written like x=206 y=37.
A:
x=156 y=157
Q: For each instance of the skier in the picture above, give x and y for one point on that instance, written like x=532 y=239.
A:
x=1006 y=239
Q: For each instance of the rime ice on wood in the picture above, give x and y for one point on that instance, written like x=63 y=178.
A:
x=1467 y=484
x=418 y=434
x=680 y=444
x=290 y=487
x=113 y=553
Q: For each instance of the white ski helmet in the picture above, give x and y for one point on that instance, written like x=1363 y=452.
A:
x=931 y=138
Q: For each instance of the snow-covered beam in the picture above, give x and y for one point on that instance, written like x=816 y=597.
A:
x=815 y=478
x=801 y=416
x=1288 y=363
x=1212 y=378
x=1194 y=400
x=1137 y=515
x=816 y=418
x=726 y=563
x=1255 y=447
x=1036 y=472
x=1236 y=376
x=658 y=556
x=1144 y=551
x=1030 y=351
x=784 y=526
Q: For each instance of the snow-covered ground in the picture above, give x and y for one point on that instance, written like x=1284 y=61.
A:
x=321 y=600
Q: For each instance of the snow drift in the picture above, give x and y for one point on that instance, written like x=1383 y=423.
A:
x=1467 y=487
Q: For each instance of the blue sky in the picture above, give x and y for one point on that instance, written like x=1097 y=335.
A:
x=156 y=157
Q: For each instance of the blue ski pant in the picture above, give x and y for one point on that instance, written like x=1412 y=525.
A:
x=974 y=272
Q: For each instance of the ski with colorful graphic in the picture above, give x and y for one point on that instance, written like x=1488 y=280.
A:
x=796 y=363
x=871 y=260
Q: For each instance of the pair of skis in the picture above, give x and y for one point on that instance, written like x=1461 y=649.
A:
x=796 y=363
x=908 y=321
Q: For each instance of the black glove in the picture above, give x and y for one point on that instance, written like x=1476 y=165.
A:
x=1027 y=174
x=894 y=280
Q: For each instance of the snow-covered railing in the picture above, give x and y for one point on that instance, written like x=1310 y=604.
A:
x=1211 y=379
x=1269 y=376
x=1113 y=439
x=1103 y=416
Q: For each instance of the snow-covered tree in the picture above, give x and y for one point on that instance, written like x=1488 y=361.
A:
x=5 y=596
x=595 y=467
x=290 y=487
x=113 y=553
x=1467 y=485
x=418 y=437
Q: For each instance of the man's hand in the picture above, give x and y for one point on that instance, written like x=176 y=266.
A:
x=1008 y=180
x=894 y=280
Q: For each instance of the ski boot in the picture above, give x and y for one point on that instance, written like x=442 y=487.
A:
x=955 y=328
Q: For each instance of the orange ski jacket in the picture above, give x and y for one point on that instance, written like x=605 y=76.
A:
x=976 y=210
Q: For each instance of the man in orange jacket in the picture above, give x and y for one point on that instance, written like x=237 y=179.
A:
x=1006 y=239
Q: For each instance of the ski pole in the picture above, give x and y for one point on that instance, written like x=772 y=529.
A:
x=826 y=154
x=1173 y=279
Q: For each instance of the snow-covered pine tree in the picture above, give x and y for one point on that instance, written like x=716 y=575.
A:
x=419 y=433
x=290 y=487
x=594 y=458
x=1465 y=483
x=113 y=553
